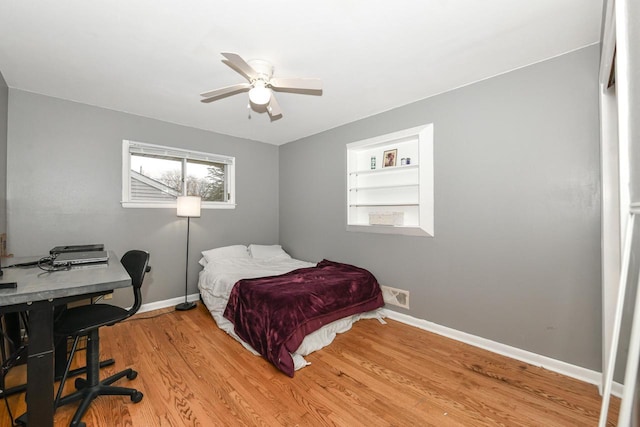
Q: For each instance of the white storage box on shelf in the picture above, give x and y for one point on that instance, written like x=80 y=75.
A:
x=386 y=218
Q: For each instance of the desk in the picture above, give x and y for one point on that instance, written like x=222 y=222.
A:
x=39 y=292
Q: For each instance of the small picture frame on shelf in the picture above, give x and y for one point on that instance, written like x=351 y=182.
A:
x=389 y=158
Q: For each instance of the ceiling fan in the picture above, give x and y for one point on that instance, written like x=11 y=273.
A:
x=261 y=85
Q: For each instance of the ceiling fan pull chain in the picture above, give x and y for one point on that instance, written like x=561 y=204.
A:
x=249 y=108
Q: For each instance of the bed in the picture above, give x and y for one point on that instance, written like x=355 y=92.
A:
x=231 y=270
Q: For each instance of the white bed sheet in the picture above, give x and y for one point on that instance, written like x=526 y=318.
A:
x=216 y=282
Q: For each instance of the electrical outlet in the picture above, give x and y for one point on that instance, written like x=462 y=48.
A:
x=393 y=296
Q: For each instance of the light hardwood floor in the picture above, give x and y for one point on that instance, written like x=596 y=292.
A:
x=193 y=374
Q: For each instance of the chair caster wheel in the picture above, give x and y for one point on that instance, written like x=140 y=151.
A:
x=136 y=397
x=132 y=375
x=80 y=383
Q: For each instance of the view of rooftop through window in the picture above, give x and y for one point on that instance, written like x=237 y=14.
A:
x=204 y=179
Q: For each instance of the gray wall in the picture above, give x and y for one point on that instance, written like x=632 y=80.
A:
x=4 y=105
x=516 y=252
x=65 y=186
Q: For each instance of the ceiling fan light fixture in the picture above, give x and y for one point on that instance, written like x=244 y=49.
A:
x=260 y=94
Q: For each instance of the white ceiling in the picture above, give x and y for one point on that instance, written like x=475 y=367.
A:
x=153 y=57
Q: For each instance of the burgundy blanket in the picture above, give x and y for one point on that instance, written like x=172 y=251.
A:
x=275 y=313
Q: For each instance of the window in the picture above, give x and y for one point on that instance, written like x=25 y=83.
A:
x=154 y=176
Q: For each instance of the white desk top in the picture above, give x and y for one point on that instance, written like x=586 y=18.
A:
x=35 y=284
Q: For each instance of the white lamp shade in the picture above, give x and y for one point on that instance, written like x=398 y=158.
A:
x=189 y=206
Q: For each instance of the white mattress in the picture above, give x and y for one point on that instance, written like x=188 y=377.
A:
x=218 y=277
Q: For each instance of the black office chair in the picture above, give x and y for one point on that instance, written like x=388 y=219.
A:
x=86 y=321
x=17 y=356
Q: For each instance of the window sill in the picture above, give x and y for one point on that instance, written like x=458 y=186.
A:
x=172 y=205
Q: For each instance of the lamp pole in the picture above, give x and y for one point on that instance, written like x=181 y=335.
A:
x=187 y=206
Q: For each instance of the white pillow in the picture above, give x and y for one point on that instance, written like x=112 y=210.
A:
x=225 y=252
x=203 y=262
x=268 y=252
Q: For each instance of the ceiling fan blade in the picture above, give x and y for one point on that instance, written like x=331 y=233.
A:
x=296 y=84
x=225 y=91
x=273 y=108
x=240 y=65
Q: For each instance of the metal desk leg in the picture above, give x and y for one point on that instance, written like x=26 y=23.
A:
x=40 y=365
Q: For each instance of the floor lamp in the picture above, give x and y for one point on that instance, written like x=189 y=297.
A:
x=189 y=207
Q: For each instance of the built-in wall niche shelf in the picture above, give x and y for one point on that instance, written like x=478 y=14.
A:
x=390 y=183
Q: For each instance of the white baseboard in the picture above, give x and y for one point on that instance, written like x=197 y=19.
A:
x=573 y=371
x=616 y=389
x=167 y=303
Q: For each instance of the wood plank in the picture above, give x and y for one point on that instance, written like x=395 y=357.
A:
x=192 y=373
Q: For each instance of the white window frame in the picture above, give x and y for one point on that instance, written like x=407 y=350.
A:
x=178 y=153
